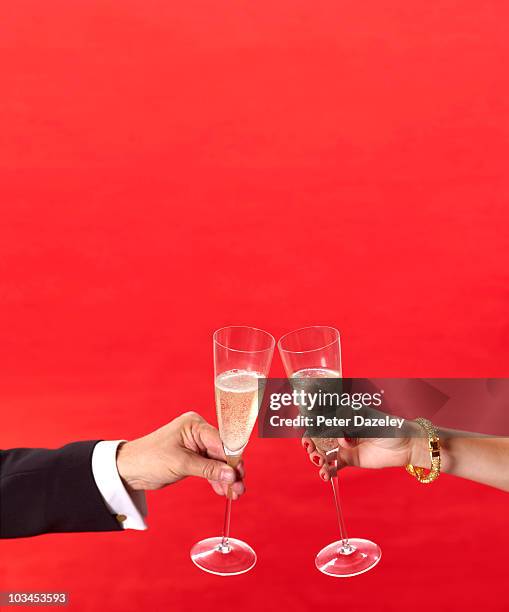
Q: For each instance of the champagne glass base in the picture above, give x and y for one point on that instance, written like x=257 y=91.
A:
x=342 y=562
x=211 y=556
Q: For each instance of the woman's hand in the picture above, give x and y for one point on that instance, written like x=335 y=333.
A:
x=479 y=458
x=371 y=452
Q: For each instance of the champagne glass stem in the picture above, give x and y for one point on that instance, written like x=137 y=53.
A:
x=346 y=548
x=233 y=461
x=226 y=525
x=339 y=512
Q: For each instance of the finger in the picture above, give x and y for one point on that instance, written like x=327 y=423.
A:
x=324 y=473
x=347 y=456
x=203 y=467
x=213 y=447
x=218 y=487
x=327 y=471
x=308 y=445
x=239 y=488
x=347 y=442
x=209 y=440
x=221 y=488
x=316 y=459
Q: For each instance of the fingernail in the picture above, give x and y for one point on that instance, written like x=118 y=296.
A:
x=227 y=476
x=306 y=444
x=316 y=459
x=348 y=439
x=323 y=476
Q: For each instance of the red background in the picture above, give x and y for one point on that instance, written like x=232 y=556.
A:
x=169 y=168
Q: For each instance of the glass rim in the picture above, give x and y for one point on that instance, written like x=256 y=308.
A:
x=257 y=329
x=320 y=348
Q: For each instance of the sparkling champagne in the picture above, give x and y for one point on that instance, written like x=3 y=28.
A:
x=323 y=444
x=237 y=406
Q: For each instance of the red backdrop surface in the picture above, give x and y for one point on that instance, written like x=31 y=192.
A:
x=168 y=168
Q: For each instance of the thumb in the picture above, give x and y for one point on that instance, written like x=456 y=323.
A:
x=203 y=467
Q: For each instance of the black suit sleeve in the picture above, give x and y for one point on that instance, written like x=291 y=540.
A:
x=45 y=491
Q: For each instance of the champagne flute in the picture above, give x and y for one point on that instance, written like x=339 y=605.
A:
x=242 y=358
x=315 y=353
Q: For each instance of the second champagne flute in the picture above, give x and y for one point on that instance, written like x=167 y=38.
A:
x=315 y=353
x=242 y=358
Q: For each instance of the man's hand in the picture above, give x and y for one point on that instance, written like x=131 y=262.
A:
x=187 y=446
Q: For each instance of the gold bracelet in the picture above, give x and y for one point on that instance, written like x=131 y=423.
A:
x=434 y=452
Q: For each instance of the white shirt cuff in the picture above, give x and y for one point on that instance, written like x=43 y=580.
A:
x=131 y=504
